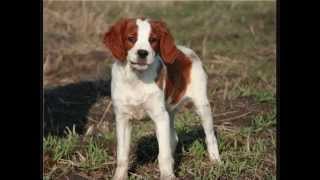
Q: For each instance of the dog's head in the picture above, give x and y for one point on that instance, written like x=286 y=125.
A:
x=138 y=41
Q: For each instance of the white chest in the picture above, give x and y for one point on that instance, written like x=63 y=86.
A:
x=130 y=93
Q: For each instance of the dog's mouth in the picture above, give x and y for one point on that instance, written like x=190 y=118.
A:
x=140 y=63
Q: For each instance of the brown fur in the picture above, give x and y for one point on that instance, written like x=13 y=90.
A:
x=177 y=78
x=166 y=46
x=116 y=39
x=177 y=63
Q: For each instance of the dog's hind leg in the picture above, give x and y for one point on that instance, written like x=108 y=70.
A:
x=204 y=111
x=198 y=95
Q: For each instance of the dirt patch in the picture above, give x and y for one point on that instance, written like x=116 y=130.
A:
x=239 y=111
x=63 y=69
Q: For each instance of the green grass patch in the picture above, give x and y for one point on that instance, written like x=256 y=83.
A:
x=61 y=148
x=260 y=96
x=94 y=155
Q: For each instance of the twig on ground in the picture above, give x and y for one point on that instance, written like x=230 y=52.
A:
x=105 y=112
x=235 y=117
x=225 y=113
x=109 y=163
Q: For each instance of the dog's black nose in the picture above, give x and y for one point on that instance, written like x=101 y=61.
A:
x=142 y=53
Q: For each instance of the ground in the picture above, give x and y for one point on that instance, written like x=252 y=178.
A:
x=236 y=42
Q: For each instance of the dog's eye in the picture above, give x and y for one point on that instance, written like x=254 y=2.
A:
x=152 y=40
x=132 y=39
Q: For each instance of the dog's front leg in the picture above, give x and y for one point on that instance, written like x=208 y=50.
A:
x=160 y=116
x=123 y=129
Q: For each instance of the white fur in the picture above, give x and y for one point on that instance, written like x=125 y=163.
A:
x=135 y=94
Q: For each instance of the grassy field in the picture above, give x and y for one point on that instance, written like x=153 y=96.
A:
x=237 y=44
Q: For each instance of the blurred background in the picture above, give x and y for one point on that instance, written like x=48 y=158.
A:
x=237 y=44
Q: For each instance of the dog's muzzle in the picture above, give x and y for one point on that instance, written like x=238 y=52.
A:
x=140 y=65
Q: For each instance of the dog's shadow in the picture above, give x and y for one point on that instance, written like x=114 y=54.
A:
x=147 y=147
x=68 y=105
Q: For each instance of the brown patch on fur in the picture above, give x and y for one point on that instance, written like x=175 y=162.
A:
x=116 y=39
x=177 y=78
x=177 y=63
x=164 y=42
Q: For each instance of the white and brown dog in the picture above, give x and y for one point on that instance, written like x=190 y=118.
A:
x=153 y=76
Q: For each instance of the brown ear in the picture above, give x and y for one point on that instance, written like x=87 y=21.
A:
x=113 y=39
x=168 y=49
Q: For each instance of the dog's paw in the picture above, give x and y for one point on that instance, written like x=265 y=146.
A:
x=120 y=175
x=215 y=159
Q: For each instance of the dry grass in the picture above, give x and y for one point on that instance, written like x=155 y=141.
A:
x=236 y=41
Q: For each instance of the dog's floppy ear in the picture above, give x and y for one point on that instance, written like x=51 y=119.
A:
x=168 y=49
x=113 y=39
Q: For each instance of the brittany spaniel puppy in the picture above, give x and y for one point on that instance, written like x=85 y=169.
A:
x=152 y=76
